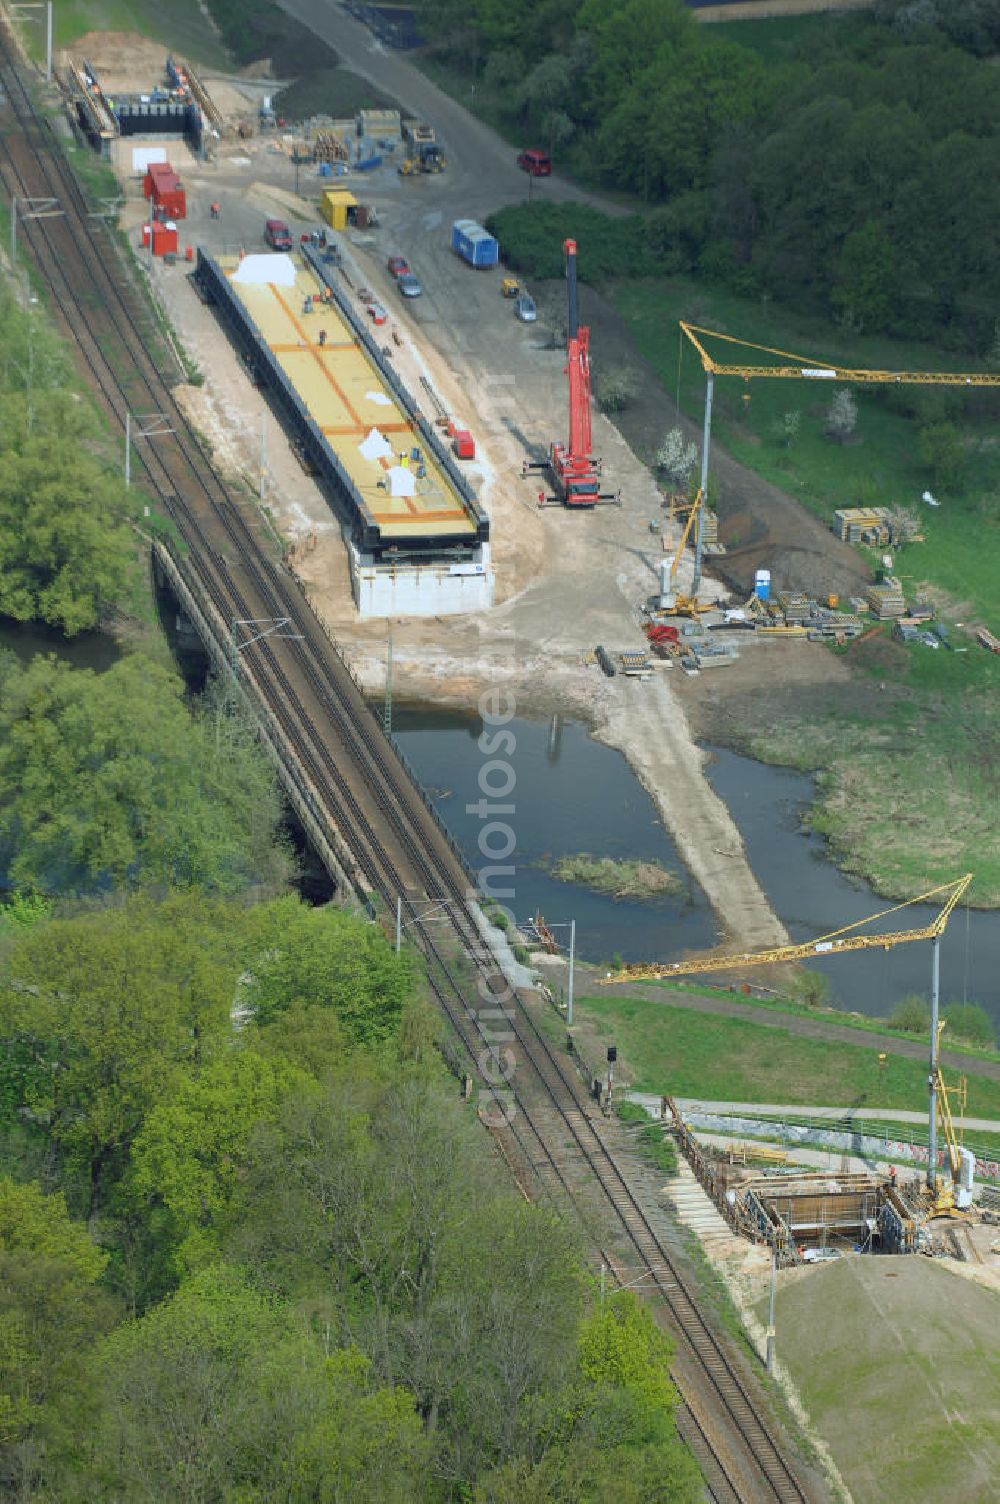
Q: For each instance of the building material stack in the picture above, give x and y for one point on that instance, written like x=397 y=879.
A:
x=327 y=146
x=863 y=525
x=886 y=600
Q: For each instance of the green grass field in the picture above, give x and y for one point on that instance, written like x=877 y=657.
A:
x=897 y=1364
x=961 y=554
x=688 y=1054
x=180 y=26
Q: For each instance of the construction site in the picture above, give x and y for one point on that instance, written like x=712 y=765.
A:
x=456 y=512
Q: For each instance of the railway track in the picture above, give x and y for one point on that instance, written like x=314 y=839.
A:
x=307 y=690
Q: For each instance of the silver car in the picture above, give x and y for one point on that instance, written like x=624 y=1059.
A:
x=408 y=285
x=525 y=309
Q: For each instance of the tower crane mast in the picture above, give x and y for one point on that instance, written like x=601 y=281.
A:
x=836 y=943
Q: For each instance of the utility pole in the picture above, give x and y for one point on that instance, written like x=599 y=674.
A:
x=260 y=461
x=770 y=1312
x=569 y=982
x=387 y=708
x=933 y=1071
x=706 y=437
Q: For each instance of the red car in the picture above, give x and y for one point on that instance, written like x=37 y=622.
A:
x=398 y=266
x=534 y=162
x=377 y=313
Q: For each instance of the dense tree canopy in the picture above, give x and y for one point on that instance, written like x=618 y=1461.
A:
x=67 y=555
x=853 y=172
x=301 y=1275
x=110 y=780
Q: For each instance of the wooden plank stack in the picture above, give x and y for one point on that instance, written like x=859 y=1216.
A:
x=886 y=600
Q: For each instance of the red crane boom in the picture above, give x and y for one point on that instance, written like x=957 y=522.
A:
x=573 y=470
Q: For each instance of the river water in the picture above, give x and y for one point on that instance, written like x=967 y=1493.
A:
x=573 y=794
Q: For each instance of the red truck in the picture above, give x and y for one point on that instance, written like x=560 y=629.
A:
x=277 y=235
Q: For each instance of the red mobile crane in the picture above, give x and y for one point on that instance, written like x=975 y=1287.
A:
x=574 y=472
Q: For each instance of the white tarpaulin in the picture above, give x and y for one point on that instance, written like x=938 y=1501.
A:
x=375 y=447
x=402 y=482
x=267 y=267
x=142 y=156
x=380 y=398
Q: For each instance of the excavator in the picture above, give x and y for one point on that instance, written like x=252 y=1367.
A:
x=573 y=471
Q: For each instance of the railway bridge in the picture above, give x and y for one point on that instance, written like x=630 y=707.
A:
x=362 y=809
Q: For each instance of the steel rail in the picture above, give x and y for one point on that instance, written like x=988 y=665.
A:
x=428 y=854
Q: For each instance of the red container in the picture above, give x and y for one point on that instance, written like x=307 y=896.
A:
x=164 y=237
x=164 y=187
x=464 y=444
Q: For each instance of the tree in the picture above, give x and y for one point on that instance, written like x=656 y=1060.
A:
x=220 y=1393
x=66 y=553
x=50 y=1312
x=676 y=458
x=786 y=429
x=841 y=416
x=904 y=526
x=189 y=1158
x=970 y=1022
x=940 y=449
x=616 y=388
x=557 y=128
x=866 y=288
x=109 y=780
x=323 y=958
x=99 y=1014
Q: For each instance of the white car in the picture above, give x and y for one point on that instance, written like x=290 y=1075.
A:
x=525 y=309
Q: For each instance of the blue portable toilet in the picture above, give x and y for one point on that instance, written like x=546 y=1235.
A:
x=762 y=584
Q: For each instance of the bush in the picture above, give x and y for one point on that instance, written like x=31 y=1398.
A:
x=912 y=1014
x=661 y=1150
x=531 y=241
x=632 y=1112
x=970 y=1022
x=616 y=389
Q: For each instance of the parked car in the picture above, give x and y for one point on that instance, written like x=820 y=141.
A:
x=408 y=285
x=398 y=266
x=537 y=163
x=377 y=313
x=277 y=235
x=525 y=309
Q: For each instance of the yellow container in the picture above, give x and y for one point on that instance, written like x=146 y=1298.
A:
x=335 y=207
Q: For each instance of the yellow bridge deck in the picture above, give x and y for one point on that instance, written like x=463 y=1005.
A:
x=345 y=394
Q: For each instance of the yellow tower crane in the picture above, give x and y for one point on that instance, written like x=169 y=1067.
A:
x=838 y=942
x=788 y=366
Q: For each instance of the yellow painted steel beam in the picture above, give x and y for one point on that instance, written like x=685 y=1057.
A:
x=832 y=944
x=804 y=368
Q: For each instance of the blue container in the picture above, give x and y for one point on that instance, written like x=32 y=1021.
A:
x=369 y=162
x=762 y=584
x=474 y=244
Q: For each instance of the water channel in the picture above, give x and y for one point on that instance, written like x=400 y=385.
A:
x=572 y=794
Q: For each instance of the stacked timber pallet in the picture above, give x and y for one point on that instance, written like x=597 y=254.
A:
x=886 y=600
x=327 y=147
x=863 y=525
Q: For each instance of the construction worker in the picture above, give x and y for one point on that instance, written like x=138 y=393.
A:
x=322 y=338
x=892 y=1177
x=215 y=210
